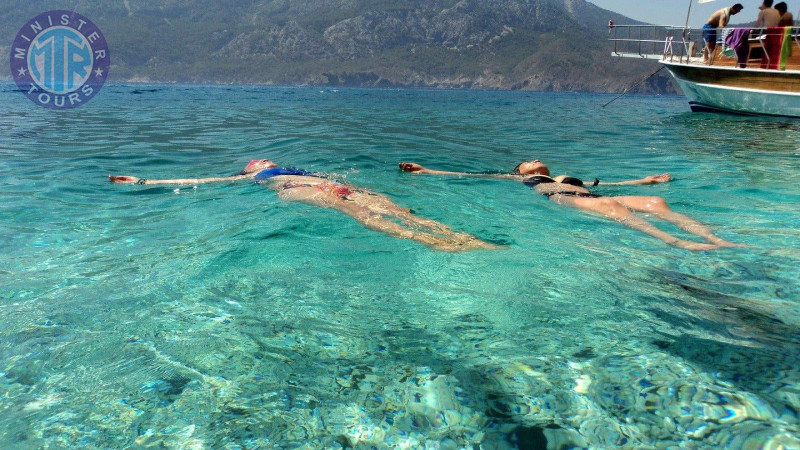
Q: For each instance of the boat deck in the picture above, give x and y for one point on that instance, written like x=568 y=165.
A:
x=685 y=46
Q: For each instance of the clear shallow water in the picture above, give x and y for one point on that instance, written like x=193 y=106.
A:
x=221 y=317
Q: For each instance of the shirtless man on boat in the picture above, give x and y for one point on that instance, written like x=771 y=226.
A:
x=719 y=19
x=768 y=16
x=787 y=19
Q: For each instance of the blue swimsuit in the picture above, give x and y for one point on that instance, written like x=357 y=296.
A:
x=276 y=171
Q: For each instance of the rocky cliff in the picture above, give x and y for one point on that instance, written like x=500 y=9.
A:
x=488 y=44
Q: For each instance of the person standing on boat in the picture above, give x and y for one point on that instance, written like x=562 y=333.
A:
x=787 y=19
x=719 y=19
x=768 y=16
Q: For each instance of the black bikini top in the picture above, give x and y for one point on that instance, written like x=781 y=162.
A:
x=539 y=179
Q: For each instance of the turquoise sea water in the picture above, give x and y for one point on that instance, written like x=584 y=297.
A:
x=222 y=317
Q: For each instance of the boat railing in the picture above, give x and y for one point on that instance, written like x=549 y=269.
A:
x=658 y=42
x=685 y=45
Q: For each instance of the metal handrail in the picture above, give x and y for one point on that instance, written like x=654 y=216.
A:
x=647 y=26
x=668 y=42
x=634 y=41
x=660 y=42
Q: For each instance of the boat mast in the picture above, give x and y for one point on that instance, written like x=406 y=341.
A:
x=686 y=25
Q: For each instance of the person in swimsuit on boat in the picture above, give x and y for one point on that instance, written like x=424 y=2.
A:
x=572 y=192
x=719 y=19
x=787 y=19
x=374 y=211
x=767 y=16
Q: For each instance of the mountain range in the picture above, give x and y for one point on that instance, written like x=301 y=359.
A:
x=546 y=45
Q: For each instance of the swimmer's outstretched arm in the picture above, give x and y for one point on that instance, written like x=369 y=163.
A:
x=416 y=168
x=126 y=179
x=652 y=179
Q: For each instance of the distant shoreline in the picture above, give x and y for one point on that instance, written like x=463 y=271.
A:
x=376 y=88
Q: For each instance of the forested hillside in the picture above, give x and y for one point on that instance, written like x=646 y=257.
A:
x=489 y=44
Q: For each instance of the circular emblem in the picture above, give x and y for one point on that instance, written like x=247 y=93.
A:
x=60 y=59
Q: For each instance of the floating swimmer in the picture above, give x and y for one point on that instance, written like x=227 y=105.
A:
x=569 y=191
x=374 y=211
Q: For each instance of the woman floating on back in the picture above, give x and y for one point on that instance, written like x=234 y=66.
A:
x=571 y=192
x=374 y=211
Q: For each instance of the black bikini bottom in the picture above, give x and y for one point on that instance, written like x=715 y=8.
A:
x=573 y=194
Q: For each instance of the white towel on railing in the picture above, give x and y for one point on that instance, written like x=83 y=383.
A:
x=726 y=51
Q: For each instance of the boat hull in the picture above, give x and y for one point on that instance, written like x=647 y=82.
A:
x=739 y=91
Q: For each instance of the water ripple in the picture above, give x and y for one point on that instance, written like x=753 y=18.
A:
x=220 y=316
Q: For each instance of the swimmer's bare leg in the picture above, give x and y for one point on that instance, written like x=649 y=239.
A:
x=454 y=242
x=436 y=227
x=377 y=222
x=658 y=207
x=433 y=227
x=382 y=205
x=617 y=212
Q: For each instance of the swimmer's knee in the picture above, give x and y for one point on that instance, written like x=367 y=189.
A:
x=611 y=204
x=657 y=203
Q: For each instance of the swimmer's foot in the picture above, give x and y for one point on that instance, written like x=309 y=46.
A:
x=722 y=243
x=456 y=248
x=472 y=243
x=480 y=245
x=463 y=244
x=695 y=246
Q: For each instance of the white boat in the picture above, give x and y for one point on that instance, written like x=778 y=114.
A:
x=769 y=84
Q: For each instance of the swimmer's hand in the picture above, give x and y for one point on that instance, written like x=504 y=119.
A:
x=123 y=179
x=654 y=179
x=411 y=167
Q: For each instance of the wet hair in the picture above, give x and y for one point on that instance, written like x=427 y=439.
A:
x=781 y=7
x=517 y=172
x=768 y=3
x=737 y=6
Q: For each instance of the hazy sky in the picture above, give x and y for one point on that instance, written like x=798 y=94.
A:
x=673 y=12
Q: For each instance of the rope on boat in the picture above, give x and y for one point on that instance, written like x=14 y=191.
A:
x=633 y=86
